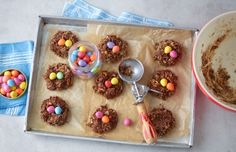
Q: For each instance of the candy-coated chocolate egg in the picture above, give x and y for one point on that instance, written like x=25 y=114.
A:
x=82 y=49
x=5 y=78
x=58 y=110
x=60 y=75
x=2 y=91
x=108 y=84
x=73 y=58
x=114 y=81
x=170 y=86
x=105 y=119
x=14 y=73
x=99 y=114
x=89 y=53
x=167 y=49
x=110 y=44
x=22 y=85
x=75 y=52
x=10 y=83
x=173 y=54
x=13 y=88
x=68 y=43
x=116 y=49
x=81 y=54
x=6 y=88
x=93 y=57
x=127 y=122
x=17 y=81
x=7 y=73
x=82 y=63
x=52 y=76
x=50 y=109
x=8 y=95
x=21 y=77
x=19 y=91
x=13 y=94
x=163 y=82
x=61 y=42
x=86 y=59
x=1 y=81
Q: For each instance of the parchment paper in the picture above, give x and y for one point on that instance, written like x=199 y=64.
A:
x=83 y=100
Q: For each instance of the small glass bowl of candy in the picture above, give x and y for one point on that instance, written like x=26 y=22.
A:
x=13 y=83
x=84 y=59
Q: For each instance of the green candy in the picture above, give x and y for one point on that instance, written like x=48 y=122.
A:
x=60 y=75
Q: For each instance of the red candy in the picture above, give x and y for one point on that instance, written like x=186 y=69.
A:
x=81 y=54
x=108 y=84
x=86 y=58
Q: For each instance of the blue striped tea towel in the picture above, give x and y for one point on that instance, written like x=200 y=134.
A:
x=15 y=56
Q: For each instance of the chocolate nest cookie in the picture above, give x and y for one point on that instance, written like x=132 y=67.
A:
x=54 y=111
x=168 y=52
x=61 y=43
x=58 y=77
x=103 y=120
x=164 y=81
x=108 y=84
x=162 y=119
x=112 y=49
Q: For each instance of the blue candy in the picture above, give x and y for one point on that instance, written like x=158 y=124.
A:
x=89 y=53
x=75 y=52
x=73 y=58
x=58 y=110
x=82 y=63
x=10 y=83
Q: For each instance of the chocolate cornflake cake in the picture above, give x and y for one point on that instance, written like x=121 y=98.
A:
x=103 y=120
x=61 y=43
x=108 y=84
x=112 y=49
x=125 y=70
x=58 y=77
x=164 y=81
x=168 y=52
x=162 y=119
x=54 y=111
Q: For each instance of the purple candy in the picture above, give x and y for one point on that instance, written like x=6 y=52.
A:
x=17 y=81
x=110 y=44
x=127 y=122
x=6 y=88
x=82 y=63
x=89 y=53
x=99 y=114
x=50 y=109
x=21 y=77
x=173 y=54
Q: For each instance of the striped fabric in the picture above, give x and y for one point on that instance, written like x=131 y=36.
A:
x=15 y=56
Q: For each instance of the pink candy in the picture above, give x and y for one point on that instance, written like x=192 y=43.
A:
x=50 y=109
x=99 y=114
x=1 y=77
x=127 y=122
x=6 y=88
x=173 y=54
x=21 y=77
x=17 y=81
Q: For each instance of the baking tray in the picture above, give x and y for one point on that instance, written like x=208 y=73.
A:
x=63 y=21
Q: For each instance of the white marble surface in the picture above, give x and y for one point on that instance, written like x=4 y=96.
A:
x=214 y=129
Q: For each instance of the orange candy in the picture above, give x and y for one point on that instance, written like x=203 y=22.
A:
x=105 y=119
x=116 y=49
x=14 y=73
x=93 y=57
x=2 y=91
x=19 y=91
x=170 y=86
x=61 y=42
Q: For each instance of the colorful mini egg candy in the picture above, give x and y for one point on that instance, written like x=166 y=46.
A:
x=50 y=109
x=8 y=73
x=22 y=85
x=167 y=49
x=170 y=86
x=105 y=119
x=19 y=91
x=61 y=42
x=60 y=75
x=93 y=57
x=6 y=88
x=75 y=52
x=58 y=110
x=82 y=63
x=81 y=54
x=73 y=58
x=8 y=95
x=14 y=73
x=114 y=81
x=52 y=76
x=21 y=77
x=68 y=43
x=5 y=78
x=99 y=114
x=89 y=53
x=10 y=83
x=82 y=49
x=173 y=54
x=13 y=88
x=1 y=81
x=13 y=94
x=110 y=44
x=116 y=49
x=17 y=81
x=127 y=122
x=86 y=59
x=108 y=84
x=163 y=82
x=2 y=91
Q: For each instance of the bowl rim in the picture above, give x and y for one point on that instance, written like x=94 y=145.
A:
x=194 y=68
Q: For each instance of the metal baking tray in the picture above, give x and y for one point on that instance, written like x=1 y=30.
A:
x=43 y=20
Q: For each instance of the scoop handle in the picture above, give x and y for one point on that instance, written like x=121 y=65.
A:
x=149 y=132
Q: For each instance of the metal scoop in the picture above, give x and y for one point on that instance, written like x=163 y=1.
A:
x=139 y=91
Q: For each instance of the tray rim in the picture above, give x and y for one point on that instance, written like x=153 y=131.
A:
x=48 y=19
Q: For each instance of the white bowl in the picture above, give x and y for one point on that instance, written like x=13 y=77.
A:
x=225 y=53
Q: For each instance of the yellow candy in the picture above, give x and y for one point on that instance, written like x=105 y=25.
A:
x=13 y=94
x=167 y=49
x=82 y=49
x=23 y=85
x=163 y=82
x=13 y=88
x=8 y=73
x=114 y=81
x=68 y=43
x=52 y=76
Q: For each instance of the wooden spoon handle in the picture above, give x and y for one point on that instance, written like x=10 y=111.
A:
x=149 y=132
